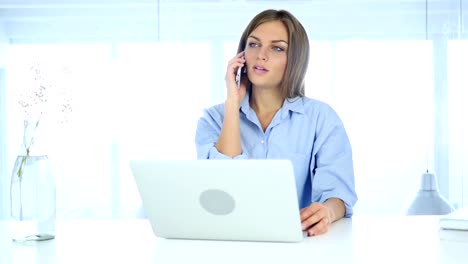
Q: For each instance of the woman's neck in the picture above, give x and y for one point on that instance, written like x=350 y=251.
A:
x=264 y=101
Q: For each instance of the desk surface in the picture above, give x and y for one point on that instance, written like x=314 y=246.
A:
x=359 y=240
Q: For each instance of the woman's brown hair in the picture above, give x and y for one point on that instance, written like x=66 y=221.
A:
x=292 y=84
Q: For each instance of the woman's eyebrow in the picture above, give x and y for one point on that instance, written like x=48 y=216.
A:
x=273 y=41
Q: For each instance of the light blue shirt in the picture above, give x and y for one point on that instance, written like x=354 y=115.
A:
x=307 y=132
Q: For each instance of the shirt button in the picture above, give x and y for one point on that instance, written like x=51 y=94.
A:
x=263 y=141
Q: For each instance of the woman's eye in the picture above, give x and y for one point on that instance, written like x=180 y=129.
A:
x=253 y=44
x=276 y=48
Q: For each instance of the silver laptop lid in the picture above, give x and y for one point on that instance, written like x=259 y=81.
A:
x=253 y=200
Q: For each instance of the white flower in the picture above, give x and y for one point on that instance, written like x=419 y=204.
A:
x=43 y=93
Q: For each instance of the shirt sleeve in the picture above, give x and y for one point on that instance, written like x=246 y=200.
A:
x=207 y=134
x=333 y=172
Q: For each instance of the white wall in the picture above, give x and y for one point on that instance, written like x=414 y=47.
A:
x=3 y=44
x=74 y=20
x=3 y=147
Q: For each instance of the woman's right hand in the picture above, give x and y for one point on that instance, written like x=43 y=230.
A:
x=234 y=94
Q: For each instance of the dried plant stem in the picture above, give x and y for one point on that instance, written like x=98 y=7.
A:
x=28 y=149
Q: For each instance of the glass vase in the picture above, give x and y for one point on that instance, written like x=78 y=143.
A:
x=32 y=194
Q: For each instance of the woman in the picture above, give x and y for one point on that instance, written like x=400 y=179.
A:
x=269 y=117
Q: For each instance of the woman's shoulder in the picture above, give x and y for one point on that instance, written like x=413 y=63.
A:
x=319 y=111
x=312 y=105
x=215 y=108
x=215 y=111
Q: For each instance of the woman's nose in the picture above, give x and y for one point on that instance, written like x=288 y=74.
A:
x=262 y=55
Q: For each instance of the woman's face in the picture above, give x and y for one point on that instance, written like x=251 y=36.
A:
x=266 y=54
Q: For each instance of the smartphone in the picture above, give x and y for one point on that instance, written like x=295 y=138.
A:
x=238 y=75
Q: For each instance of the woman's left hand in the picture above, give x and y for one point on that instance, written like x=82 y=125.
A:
x=316 y=219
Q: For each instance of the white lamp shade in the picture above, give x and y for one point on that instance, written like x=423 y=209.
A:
x=428 y=200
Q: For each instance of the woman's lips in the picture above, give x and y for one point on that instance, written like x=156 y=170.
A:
x=259 y=69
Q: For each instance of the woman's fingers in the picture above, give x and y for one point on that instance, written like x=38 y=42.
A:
x=315 y=218
x=310 y=210
x=311 y=220
x=234 y=91
x=319 y=228
x=233 y=66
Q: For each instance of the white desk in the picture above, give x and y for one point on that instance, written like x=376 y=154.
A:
x=358 y=240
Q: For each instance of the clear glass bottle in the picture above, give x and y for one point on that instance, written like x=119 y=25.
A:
x=32 y=194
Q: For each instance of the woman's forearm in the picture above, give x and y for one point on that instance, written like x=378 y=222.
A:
x=229 y=141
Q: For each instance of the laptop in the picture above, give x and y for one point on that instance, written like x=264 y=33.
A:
x=241 y=200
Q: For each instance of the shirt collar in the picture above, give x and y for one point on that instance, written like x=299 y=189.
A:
x=245 y=106
x=247 y=110
x=290 y=104
x=293 y=104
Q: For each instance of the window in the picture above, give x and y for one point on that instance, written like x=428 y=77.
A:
x=129 y=101
x=457 y=84
x=141 y=73
x=374 y=86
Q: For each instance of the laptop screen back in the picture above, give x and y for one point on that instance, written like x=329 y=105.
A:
x=253 y=200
